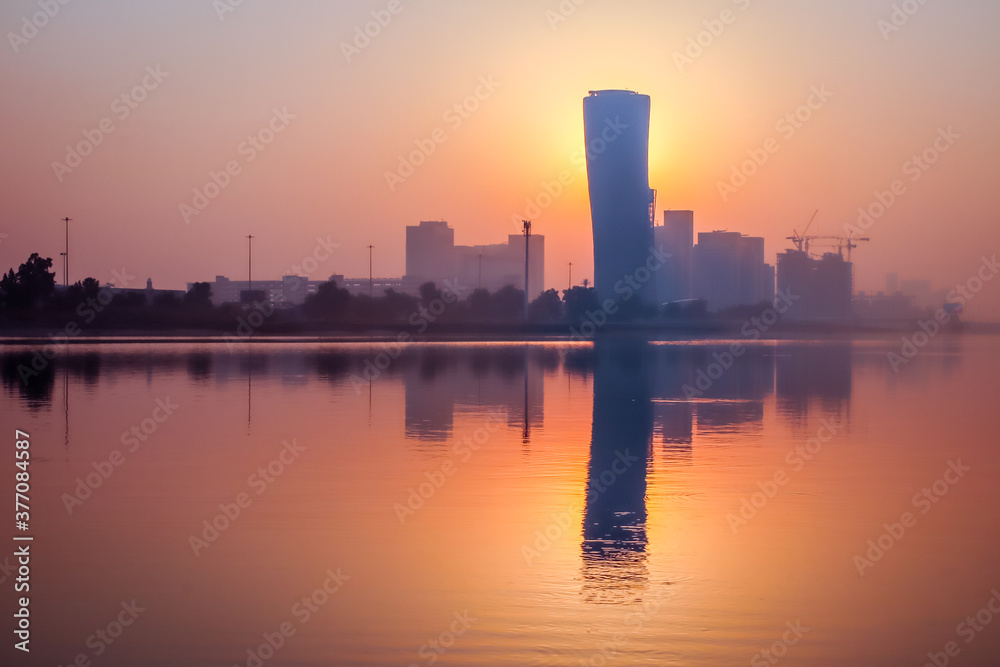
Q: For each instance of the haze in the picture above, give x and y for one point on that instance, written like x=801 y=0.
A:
x=220 y=76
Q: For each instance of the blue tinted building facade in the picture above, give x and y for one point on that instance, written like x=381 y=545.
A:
x=616 y=126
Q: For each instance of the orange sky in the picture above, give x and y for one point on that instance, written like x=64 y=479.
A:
x=324 y=175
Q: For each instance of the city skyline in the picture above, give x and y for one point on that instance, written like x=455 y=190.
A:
x=471 y=332
x=315 y=131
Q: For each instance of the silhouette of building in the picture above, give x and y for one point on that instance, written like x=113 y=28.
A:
x=290 y=290
x=616 y=128
x=824 y=287
x=676 y=238
x=891 y=283
x=882 y=306
x=432 y=256
x=729 y=270
x=149 y=293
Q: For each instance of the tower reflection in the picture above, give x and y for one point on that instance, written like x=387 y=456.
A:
x=614 y=524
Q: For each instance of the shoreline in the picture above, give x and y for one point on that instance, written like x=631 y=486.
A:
x=675 y=332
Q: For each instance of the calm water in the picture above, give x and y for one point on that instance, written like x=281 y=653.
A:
x=510 y=504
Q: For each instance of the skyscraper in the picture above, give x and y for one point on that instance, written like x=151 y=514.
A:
x=675 y=237
x=616 y=126
x=729 y=270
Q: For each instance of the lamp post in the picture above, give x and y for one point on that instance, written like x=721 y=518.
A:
x=66 y=254
x=371 y=275
x=571 y=275
x=250 y=239
x=527 y=250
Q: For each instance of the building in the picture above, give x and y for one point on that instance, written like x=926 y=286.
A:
x=674 y=282
x=430 y=252
x=882 y=306
x=729 y=271
x=289 y=291
x=151 y=295
x=432 y=256
x=616 y=129
x=824 y=286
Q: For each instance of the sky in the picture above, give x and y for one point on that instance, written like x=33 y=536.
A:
x=169 y=131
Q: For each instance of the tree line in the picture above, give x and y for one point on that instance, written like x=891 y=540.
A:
x=29 y=295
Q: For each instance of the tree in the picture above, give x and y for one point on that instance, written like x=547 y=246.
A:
x=83 y=290
x=328 y=301
x=91 y=287
x=579 y=301
x=166 y=301
x=480 y=305
x=199 y=296
x=31 y=285
x=546 y=308
x=429 y=293
x=508 y=304
x=396 y=307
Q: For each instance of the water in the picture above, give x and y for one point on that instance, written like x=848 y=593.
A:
x=510 y=504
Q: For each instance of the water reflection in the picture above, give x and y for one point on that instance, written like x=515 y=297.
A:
x=614 y=524
x=441 y=383
x=652 y=443
x=810 y=375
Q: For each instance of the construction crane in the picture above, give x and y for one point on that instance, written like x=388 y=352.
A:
x=838 y=242
x=800 y=240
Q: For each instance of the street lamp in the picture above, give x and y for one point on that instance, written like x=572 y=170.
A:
x=250 y=239
x=65 y=255
x=371 y=276
x=527 y=247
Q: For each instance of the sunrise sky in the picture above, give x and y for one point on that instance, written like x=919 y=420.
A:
x=214 y=77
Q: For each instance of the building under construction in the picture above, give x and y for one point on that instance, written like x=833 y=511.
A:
x=824 y=286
